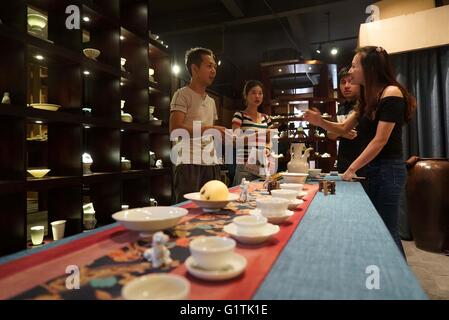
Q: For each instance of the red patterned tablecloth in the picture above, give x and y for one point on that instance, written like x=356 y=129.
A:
x=109 y=259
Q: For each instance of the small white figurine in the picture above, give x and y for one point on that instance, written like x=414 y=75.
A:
x=159 y=164
x=6 y=99
x=244 y=192
x=158 y=255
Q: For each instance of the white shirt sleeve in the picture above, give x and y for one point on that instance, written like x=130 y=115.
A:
x=215 y=111
x=179 y=102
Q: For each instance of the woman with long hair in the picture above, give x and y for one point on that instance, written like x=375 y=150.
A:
x=385 y=105
x=251 y=123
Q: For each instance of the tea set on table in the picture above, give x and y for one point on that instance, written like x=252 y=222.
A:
x=212 y=258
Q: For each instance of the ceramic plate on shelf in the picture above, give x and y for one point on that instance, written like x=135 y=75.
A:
x=275 y=219
x=268 y=231
x=45 y=106
x=235 y=267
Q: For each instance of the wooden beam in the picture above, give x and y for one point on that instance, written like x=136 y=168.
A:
x=233 y=8
x=322 y=7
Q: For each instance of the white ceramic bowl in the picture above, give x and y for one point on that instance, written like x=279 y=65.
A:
x=314 y=172
x=45 y=106
x=150 y=219
x=212 y=253
x=159 y=286
x=250 y=225
x=290 y=195
x=272 y=206
x=38 y=173
x=294 y=177
x=210 y=205
x=91 y=53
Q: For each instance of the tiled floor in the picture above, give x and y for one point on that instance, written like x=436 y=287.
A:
x=431 y=269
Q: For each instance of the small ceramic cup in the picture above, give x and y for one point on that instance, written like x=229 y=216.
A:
x=298 y=187
x=250 y=225
x=37 y=235
x=212 y=253
x=272 y=206
x=290 y=195
x=58 y=228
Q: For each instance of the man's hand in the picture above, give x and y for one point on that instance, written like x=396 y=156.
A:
x=313 y=116
x=350 y=135
x=349 y=174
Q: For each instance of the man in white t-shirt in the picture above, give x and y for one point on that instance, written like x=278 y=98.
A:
x=196 y=161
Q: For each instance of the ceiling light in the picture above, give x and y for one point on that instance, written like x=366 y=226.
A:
x=175 y=69
x=280 y=70
x=122 y=38
x=86 y=19
x=38 y=122
x=39 y=57
x=219 y=62
x=318 y=50
x=122 y=84
x=86 y=127
x=334 y=51
x=282 y=91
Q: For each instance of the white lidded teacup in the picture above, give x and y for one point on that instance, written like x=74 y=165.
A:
x=285 y=194
x=272 y=206
x=212 y=253
x=250 y=225
x=292 y=186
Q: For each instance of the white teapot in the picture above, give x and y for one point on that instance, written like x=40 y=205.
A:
x=299 y=161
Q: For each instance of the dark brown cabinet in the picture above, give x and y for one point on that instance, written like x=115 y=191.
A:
x=43 y=62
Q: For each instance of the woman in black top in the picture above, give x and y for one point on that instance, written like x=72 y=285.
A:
x=385 y=106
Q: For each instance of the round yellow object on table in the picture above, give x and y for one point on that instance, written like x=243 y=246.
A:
x=214 y=190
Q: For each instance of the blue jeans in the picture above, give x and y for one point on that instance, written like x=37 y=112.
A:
x=386 y=182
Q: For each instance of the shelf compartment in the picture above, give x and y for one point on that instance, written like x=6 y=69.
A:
x=13 y=71
x=12 y=159
x=134 y=146
x=104 y=35
x=12 y=222
x=101 y=94
x=56 y=23
x=11 y=13
x=104 y=147
x=136 y=192
x=65 y=204
x=106 y=198
x=134 y=16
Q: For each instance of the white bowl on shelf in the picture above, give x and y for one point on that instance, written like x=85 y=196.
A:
x=45 y=106
x=159 y=286
x=38 y=173
x=294 y=177
x=150 y=219
x=92 y=53
x=210 y=205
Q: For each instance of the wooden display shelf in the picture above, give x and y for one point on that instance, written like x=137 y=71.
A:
x=59 y=76
x=50 y=182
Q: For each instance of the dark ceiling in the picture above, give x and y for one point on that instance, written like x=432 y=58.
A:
x=245 y=33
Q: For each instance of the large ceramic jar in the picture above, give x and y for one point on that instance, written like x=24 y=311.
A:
x=428 y=203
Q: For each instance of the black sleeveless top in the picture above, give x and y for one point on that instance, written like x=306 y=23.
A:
x=349 y=150
x=389 y=109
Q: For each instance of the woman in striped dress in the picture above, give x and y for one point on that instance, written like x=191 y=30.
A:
x=254 y=127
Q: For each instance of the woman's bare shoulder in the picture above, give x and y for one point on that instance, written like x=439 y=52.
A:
x=392 y=91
